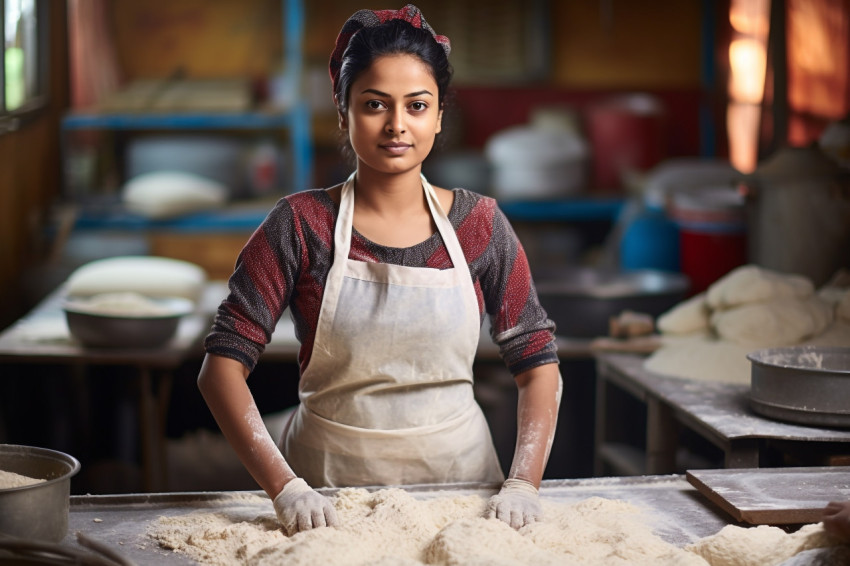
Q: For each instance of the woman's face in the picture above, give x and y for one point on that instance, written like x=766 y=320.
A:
x=393 y=114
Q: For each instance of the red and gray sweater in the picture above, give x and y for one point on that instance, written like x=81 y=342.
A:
x=286 y=261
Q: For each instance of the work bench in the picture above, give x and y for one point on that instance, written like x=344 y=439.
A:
x=717 y=412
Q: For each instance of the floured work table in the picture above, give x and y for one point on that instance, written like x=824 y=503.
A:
x=718 y=412
x=678 y=513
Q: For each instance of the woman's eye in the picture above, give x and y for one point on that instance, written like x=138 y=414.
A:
x=374 y=105
x=418 y=106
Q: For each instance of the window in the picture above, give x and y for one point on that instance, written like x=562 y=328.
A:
x=23 y=61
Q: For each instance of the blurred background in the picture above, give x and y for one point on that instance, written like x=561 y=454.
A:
x=614 y=134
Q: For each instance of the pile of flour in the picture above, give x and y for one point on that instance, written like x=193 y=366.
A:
x=9 y=480
x=391 y=527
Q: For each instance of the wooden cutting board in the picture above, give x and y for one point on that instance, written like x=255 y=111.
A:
x=773 y=496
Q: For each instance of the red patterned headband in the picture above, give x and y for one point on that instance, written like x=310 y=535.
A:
x=370 y=18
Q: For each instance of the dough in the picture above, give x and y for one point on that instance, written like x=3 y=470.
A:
x=759 y=546
x=778 y=322
x=705 y=358
x=752 y=284
x=120 y=304
x=687 y=317
x=701 y=358
x=8 y=480
x=147 y=275
x=167 y=194
x=391 y=527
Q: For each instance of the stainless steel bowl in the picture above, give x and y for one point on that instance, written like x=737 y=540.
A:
x=106 y=330
x=582 y=299
x=38 y=511
x=802 y=384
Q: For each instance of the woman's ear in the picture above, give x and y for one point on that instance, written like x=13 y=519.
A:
x=439 y=127
x=341 y=117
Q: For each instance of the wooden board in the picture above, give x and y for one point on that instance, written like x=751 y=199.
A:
x=773 y=496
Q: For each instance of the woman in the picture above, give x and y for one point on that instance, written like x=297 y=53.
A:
x=836 y=519
x=387 y=279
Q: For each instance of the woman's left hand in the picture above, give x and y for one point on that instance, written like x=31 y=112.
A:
x=517 y=504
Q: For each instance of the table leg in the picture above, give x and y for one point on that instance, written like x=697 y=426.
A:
x=153 y=403
x=662 y=437
x=743 y=453
x=600 y=422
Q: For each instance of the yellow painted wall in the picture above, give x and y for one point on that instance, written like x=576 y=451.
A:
x=648 y=43
x=626 y=43
x=206 y=38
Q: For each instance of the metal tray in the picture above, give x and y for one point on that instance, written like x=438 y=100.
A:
x=802 y=384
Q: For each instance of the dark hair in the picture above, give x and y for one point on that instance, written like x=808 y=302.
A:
x=395 y=37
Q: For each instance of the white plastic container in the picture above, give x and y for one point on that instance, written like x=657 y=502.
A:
x=537 y=163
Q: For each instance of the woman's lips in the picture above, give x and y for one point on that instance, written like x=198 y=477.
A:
x=396 y=148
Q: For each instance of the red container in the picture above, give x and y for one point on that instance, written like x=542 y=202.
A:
x=712 y=233
x=627 y=134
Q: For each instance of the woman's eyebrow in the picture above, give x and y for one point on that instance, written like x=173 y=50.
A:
x=384 y=94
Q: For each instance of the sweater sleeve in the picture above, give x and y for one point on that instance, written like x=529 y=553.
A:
x=259 y=289
x=518 y=323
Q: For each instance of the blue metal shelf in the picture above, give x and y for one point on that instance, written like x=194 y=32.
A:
x=174 y=121
x=578 y=209
x=296 y=120
x=241 y=219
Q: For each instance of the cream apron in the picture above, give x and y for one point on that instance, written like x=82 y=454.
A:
x=387 y=396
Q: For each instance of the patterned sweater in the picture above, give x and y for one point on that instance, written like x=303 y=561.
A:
x=285 y=264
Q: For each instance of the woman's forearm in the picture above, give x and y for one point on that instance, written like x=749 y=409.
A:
x=222 y=383
x=537 y=416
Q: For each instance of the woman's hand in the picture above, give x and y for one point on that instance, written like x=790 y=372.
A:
x=836 y=519
x=300 y=508
x=517 y=504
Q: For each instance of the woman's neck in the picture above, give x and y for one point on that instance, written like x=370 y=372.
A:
x=392 y=210
x=390 y=194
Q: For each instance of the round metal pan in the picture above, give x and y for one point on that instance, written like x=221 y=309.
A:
x=38 y=511
x=802 y=384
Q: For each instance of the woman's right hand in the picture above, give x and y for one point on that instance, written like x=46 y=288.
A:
x=836 y=519
x=300 y=508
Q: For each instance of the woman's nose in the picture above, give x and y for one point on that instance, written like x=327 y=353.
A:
x=395 y=122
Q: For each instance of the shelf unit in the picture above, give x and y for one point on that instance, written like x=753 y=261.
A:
x=584 y=208
x=296 y=119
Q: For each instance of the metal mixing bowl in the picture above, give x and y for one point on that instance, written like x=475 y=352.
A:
x=106 y=330
x=802 y=384
x=38 y=511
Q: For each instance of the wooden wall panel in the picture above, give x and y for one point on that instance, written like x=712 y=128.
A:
x=30 y=181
